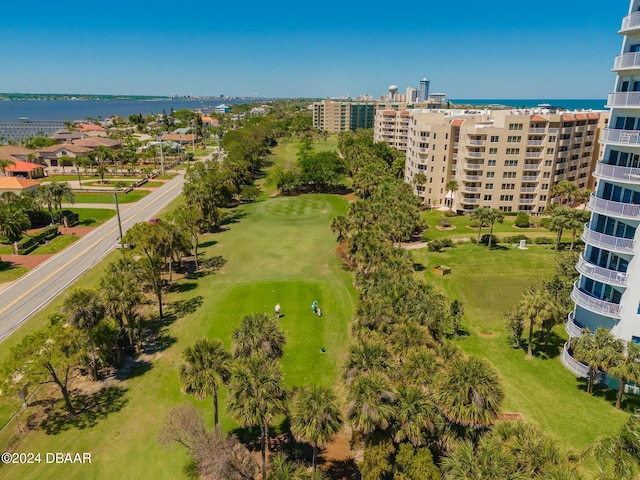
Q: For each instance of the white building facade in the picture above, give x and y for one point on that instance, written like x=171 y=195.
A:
x=607 y=293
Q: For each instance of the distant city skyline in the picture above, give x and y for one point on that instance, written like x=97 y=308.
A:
x=466 y=49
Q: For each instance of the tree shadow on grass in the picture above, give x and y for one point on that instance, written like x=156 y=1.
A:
x=549 y=347
x=182 y=308
x=234 y=217
x=91 y=409
x=208 y=243
x=341 y=469
x=419 y=267
x=180 y=287
x=133 y=368
x=630 y=403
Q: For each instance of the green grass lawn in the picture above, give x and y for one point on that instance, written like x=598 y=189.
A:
x=131 y=197
x=279 y=250
x=491 y=283
x=10 y=273
x=92 y=217
x=56 y=244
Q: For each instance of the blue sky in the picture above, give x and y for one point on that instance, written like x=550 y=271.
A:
x=492 y=49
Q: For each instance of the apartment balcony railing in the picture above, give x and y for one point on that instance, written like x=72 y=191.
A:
x=470 y=189
x=423 y=150
x=553 y=131
x=456 y=144
x=565 y=142
x=571 y=327
x=580 y=128
x=535 y=142
x=580 y=369
x=620 y=137
x=593 y=304
x=627 y=61
x=530 y=178
x=476 y=142
x=527 y=201
x=612 y=172
x=623 y=99
x=470 y=200
x=473 y=166
x=529 y=189
x=474 y=154
x=630 y=23
x=533 y=154
x=537 y=130
x=615 y=209
x=532 y=166
x=472 y=178
x=605 y=275
x=609 y=242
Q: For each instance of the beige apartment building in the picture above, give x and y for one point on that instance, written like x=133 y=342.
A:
x=504 y=159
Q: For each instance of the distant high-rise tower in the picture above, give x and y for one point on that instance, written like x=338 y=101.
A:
x=423 y=93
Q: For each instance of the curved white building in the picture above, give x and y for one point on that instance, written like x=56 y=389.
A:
x=608 y=292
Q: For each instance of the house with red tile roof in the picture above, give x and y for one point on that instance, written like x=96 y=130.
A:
x=25 y=170
x=17 y=185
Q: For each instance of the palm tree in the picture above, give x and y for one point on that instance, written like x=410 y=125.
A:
x=625 y=366
x=414 y=415
x=451 y=186
x=206 y=365
x=256 y=396
x=13 y=222
x=370 y=403
x=565 y=191
x=469 y=393
x=366 y=356
x=420 y=179
x=561 y=218
x=258 y=334
x=596 y=351
x=479 y=215
x=315 y=417
x=85 y=310
x=4 y=163
x=61 y=191
x=577 y=219
x=538 y=307
x=493 y=215
x=44 y=195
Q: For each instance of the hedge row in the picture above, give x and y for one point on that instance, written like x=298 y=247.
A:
x=30 y=243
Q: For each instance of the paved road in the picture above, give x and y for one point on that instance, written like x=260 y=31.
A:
x=34 y=290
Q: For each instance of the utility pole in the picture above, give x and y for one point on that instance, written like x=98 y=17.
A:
x=115 y=196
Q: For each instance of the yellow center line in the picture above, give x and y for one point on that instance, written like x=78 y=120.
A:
x=23 y=295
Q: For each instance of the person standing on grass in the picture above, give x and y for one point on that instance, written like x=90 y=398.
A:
x=276 y=310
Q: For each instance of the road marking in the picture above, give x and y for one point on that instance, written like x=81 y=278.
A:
x=39 y=284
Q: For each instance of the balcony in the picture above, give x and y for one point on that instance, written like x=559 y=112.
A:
x=627 y=211
x=527 y=201
x=579 y=369
x=475 y=142
x=474 y=154
x=529 y=189
x=470 y=200
x=533 y=154
x=605 y=275
x=553 y=131
x=530 y=178
x=616 y=136
x=535 y=142
x=532 y=166
x=624 y=99
x=571 y=327
x=595 y=305
x=537 y=130
x=630 y=23
x=471 y=178
x=612 y=172
x=608 y=242
x=627 y=61
x=473 y=166
x=470 y=189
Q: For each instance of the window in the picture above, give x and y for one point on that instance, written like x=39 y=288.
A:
x=545 y=186
x=509 y=175
x=491 y=174
x=488 y=186
x=513 y=151
x=487 y=198
x=506 y=198
x=493 y=151
x=550 y=151
x=547 y=163
x=495 y=139
x=546 y=175
x=514 y=139
x=552 y=139
x=505 y=209
x=515 y=126
x=511 y=163
x=543 y=198
x=491 y=163
x=508 y=186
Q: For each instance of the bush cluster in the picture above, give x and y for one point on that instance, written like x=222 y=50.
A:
x=439 y=245
x=30 y=243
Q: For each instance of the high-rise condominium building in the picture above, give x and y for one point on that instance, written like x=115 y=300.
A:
x=504 y=159
x=340 y=116
x=607 y=293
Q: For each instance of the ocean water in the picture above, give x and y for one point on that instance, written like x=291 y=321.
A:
x=70 y=110
x=567 y=104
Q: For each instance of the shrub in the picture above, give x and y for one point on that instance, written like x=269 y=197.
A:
x=544 y=241
x=439 y=245
x=485 y=239
x=522 y=220
x=515 y=239
x=443 y=222
x=450 y=214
